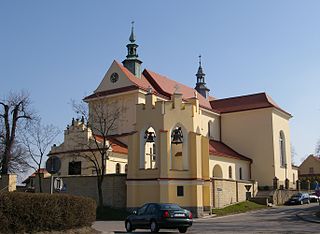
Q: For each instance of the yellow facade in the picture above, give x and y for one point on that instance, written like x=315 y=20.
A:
x=255 y=133
x=75 y=148
x=160 y=184
x=250 y=145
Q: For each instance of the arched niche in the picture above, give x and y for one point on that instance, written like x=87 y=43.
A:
x=217 y=171
x=179 y=158
x=148 y=150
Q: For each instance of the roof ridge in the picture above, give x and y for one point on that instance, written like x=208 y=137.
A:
x=235 y=97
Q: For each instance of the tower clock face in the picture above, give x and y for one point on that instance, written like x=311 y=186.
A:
x=114 y=77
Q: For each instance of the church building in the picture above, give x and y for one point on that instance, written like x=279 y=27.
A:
x=178 y=144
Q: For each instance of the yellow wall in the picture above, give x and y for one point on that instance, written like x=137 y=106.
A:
x=281 y=123
x=160 y=184
x=255 y=134
x=225 y=163
x=8 y=182
x=78 y=138
x=106 y=84
x=250 y=134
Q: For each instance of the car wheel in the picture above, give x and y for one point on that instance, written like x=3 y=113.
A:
x=154 y=227
x=182 y=229
x=129 y=226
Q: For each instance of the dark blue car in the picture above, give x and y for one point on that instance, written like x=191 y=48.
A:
x=299 y=199
x=155 y=216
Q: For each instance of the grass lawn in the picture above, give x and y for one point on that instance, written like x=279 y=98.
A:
x=238 y=208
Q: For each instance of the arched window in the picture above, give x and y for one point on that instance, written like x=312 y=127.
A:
x=118 y=168
x=217 y=172
x=282 y=145
x=240 y=173
x=150 y=149
x=126 y=168
x=294 y=178
x=230 y=172
x=178 y=148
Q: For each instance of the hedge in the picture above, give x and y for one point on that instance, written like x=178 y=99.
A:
x=29 y=212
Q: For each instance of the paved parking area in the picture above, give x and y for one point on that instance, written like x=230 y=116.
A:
x=282 y=219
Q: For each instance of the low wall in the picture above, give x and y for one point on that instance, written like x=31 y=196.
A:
x=226 y=192
x=113 y=188
x=279 y=197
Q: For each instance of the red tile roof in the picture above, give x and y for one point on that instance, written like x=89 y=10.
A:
x=243 y=103
x=41 y=171
x=220 y=149
x=116 y=145
x=142 y=82
x=167 y=87
x=137 y=83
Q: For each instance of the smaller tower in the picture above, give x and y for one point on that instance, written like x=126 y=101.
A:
x=201 y=84
x=132 y=63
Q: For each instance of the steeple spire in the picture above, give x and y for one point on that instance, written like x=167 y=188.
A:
x=201 y=84
x=132 y=37
x=132 y=63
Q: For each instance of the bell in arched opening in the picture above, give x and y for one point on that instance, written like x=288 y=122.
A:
x=177 y=136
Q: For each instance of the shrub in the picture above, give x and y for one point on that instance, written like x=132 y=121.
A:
x=27 y=212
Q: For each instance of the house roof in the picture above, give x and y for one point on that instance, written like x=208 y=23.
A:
x=217 y=148
x=116 y=145
x=41 y=171
x=243 y=103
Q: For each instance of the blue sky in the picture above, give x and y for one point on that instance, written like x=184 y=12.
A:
x=60 y=50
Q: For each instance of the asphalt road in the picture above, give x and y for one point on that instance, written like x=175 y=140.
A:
x=273 y=220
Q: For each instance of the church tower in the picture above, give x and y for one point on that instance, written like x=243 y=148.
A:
x=201 y=84
x=132 y=63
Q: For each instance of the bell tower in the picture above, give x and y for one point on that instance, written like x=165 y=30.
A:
x=201 y=84
x=132 y=63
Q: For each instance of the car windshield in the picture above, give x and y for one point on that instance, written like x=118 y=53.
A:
x=170 y=207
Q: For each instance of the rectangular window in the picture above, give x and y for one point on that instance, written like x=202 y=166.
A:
x=75 y=168
x=310 y=170
x=180 y=192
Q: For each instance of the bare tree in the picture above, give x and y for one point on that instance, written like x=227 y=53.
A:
x=14 y=113
x=37 y=138
x=102 y=119
x=317 y=151
x=293 y=154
